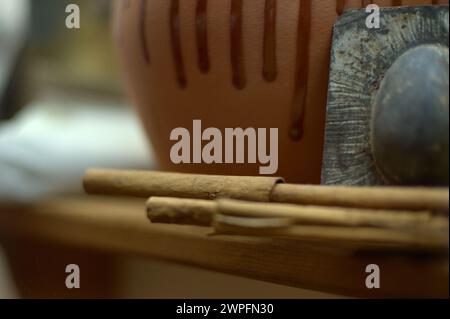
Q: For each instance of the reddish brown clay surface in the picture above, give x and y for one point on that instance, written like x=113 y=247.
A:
x=233 y=63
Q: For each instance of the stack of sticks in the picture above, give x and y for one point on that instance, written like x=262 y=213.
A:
x=400 y=218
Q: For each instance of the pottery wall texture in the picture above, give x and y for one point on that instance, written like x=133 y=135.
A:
x=263 y=64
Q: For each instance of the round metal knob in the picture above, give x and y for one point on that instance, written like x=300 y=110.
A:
x=410 y=115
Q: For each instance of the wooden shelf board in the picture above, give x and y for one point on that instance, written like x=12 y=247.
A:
x=121 y=226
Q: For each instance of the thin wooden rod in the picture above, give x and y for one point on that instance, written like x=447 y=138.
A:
x=262 y=189
x=359 y=238
x=410 y=198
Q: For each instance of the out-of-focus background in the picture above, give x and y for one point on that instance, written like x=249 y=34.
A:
x=61 y=104
x=62 y=110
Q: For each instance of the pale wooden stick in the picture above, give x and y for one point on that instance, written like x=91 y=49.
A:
x=356 y=237
x=409 y=198
x=262 y=189
x=338 y=216
x=202 y=213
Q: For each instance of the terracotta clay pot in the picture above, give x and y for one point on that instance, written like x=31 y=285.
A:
x=233 y=63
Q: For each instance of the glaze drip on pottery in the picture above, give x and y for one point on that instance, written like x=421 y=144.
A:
x=234 y=63
x=176 y=43
x=143 y=31
x=270 y=50
x=201 y=25
x=237 y=55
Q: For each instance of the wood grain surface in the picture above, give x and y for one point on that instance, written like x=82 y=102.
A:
x=121 y=225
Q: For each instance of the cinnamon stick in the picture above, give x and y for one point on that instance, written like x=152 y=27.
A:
x=181 y=211
x=347 y=228
x=261 y=215
x=151 y=183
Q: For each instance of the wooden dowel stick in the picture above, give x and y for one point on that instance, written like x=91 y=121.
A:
x=409 y=198
x=337 y=216
x=262 y=189
x=355 y=238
